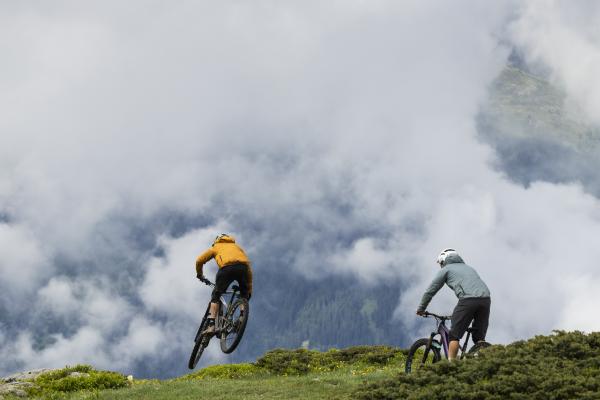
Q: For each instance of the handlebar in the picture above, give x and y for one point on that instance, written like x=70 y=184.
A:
x=442 y=317
x=207 y=282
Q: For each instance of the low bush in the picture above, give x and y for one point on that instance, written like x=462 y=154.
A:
x=301 y=361
x=80 y=377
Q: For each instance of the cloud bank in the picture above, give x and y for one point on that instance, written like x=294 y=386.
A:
x=333 y=139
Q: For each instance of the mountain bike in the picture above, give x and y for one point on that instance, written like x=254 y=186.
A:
x=230 y=324
x=428 y=350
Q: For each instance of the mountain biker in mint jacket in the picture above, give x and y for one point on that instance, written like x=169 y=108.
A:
x=473 y=298
x=234 y=265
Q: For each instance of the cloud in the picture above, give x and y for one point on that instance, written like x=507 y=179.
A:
x=20 y=247
x=334 y=139
x=143 y=339
x=83 y=347
x=170 y=286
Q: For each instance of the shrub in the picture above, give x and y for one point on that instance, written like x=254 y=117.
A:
x=301 y=361
x=371 y=355
x=286 y=362
x=80 y=377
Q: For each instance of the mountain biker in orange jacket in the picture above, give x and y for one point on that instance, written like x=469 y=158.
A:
x=473 y=298
x=234 y=265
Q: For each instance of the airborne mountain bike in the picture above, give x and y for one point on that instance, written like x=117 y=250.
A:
x=428 y=350
x=230 y=324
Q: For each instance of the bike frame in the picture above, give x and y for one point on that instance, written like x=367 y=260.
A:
x=444 y=333
x=224 y=306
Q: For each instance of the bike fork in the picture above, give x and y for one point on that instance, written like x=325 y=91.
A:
x=427 y=349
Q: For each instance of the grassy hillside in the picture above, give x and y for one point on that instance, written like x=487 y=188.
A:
x=558 y=366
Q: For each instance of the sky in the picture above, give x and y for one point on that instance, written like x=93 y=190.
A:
x=336 y=138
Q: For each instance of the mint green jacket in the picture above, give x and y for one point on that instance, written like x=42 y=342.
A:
x=461 y=278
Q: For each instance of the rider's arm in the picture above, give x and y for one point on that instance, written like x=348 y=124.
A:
x=249 y=279
x=433 y=288
x=203 y=259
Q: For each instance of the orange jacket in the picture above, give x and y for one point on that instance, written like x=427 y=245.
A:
x=225 y=252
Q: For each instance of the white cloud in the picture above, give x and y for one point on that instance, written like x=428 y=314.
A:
x=170 y=285
x=143 y=339
x=336 y=137
x=23 y=260
x=59 y=297
x=85 y=347
x=365 y=259
x=93 y=302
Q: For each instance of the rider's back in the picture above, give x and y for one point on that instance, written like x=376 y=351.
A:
x=465 y=281
x=229 y=253
x=225 y=252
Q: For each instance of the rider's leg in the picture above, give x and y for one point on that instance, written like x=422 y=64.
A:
x=212 y=314
x=244 y=279
x=461 y=318
x=222 y=281
x=214 y=310
x=453 y=350
x=481 y=320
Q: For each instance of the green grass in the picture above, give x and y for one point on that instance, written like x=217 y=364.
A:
x=290 y=374
x=560 y=366
x=338 y=384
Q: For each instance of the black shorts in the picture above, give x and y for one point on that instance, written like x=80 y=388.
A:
x=476 y=309
x=228 y=274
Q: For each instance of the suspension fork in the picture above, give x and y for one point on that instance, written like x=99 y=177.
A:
x=428 y=348
x=220 y=312
x=444 y=334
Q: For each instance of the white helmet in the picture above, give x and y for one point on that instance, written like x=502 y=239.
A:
x=441 y=259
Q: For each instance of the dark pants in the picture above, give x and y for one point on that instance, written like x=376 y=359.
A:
x=476 y=309
x=228 y=274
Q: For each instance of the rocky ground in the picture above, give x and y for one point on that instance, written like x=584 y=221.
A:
x=16 y=384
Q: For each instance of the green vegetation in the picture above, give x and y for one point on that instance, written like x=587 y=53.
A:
x=297 y=362
x=291 y=374
x=225 y=371
x=560 y=366
x=338 y=385
x=77 y=378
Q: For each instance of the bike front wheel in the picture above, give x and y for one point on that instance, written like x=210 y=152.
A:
x=200 y=343
x=421 y=354
x=234 y=325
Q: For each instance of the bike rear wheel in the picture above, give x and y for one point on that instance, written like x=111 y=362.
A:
x=234 y=325
x=474 y=351
x=421 y=354
x=200 y=342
